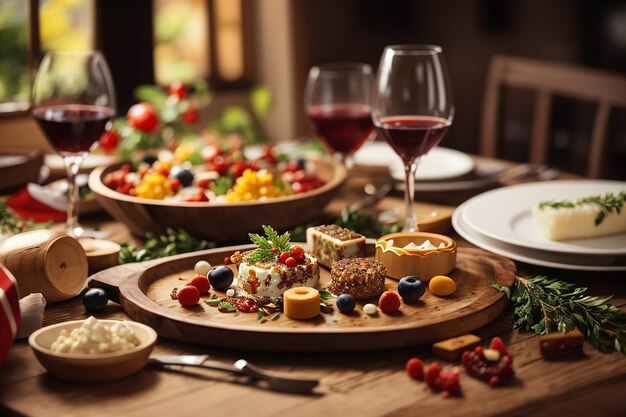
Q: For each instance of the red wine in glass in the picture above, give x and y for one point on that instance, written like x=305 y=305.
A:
x=73 y=128
x=413 y=136
x=344 y=127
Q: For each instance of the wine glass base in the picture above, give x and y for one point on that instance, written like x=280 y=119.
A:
x=79 y=232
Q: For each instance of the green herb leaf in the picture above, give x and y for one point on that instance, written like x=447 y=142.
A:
x=172 y=243
x=260 y=316
x=275 y=316
x=544 y=305
x=610 y=202
x=325 y=295
x=222 y=184
x=226 y=307
x=11 y=223
x=270 y=246
x=213 y=301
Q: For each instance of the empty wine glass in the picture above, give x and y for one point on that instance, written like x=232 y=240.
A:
x=412 y=108
x=337 y=101
x=73 y=101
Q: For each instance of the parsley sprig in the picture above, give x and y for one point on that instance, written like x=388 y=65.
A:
x=173 y=242
x=610 y=202
x=544 y=305
x=269 y=246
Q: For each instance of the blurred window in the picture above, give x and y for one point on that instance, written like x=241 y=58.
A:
x=200 y=39
x=66 y=25
x=181 y=40
x=14 y=83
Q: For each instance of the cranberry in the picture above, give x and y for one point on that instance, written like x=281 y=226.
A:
x=291 y=262
x=283 y=257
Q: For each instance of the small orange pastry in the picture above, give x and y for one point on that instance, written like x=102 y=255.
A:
x=301 y=303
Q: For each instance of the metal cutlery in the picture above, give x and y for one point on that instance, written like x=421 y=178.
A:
x=240 y=367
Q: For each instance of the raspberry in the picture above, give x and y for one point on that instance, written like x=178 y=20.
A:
x=449 y=382
x=283 y=257
x=291 y=262
x=432 y=375
x=498 y=344
x=389 y=302
x=201 y=283
x=415 y=368
x=188 y=296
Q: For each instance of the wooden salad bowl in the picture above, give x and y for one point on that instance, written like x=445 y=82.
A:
x=219 y=222
x=19 y=167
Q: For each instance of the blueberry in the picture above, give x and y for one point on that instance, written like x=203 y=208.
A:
x=221 y=277
x=345 y=303
x=149 y=159
x=95 y=299
x=411 y=288
x=185 y=177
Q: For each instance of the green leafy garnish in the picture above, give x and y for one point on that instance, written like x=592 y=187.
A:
x=364 y=223
x=269 y=247
x=544 y=305
x=222 y=184
x=325 y=295
x=260 y=316
x=11 y=223
x=213 y=301
x=610 y=202
x=172 y=243
x=275 y=316
x=226 y=307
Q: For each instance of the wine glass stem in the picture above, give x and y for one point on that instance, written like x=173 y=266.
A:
x=410 y=221
x=72 y=164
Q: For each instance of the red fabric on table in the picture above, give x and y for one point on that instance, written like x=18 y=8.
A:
x=26 y=206
x=9 y=311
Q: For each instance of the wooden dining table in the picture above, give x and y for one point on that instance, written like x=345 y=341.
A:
x=360 y=383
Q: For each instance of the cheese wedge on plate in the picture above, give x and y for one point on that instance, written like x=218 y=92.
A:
x=586 y=217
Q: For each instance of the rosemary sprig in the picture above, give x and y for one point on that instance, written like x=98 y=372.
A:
x=544 y=305
x=610 y=202
x=269 y=246
x=173 y=242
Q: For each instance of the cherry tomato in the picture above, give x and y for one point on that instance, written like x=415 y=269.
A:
x=177 y=89
x=142 y=116
x=189 y=116
x=109 y=141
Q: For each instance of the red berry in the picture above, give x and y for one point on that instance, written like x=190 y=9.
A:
x=201 y=283
x=203 y=183
x=494 y=381
x=449 y=382
x=415 y=368
x=177 y=89
x=432 y=375
x=142 y=116
x=291 y=262
x=498 y=344
x=283 y=257
x=188 y=296
x=297 y=252
x=389 y=302
x=189 y=116
x=175 y=184
x=227 y=260
x=109 y=141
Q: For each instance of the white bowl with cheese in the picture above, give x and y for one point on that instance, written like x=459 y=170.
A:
x=89 y=364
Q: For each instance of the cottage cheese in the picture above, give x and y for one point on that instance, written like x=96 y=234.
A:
x=96 y=337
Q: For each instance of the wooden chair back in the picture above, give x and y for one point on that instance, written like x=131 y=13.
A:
x=549 y=79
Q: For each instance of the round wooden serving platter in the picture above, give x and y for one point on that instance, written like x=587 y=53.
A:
x=144 y=292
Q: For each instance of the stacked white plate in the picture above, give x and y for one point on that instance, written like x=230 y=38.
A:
x=501 y=222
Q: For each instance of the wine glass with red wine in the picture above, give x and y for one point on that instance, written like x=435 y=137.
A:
x=337 y=101
x=412 y=108
x=73 y=101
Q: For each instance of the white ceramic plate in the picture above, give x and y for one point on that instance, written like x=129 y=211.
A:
x=535 y=257
x=438 y=164
x=505 y=215
x=55 y=162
